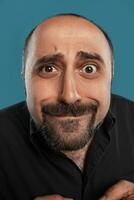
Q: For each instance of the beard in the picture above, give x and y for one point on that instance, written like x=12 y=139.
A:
x=68 y=127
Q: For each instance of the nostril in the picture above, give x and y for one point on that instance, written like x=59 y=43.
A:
x=70 y=98
x=69 y=101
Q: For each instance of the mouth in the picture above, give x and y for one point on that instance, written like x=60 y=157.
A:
x=68 y=116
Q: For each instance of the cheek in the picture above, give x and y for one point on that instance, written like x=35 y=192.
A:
x=98 y=90
x=37 y=91
x=105 y=98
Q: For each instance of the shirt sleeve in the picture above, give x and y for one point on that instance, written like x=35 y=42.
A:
x=129 y=177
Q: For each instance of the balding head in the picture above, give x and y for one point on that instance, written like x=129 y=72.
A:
x=69 y=17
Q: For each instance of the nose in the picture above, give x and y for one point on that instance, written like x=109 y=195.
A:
x=69 y=92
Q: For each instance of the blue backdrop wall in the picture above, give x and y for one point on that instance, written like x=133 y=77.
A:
x=18 y=17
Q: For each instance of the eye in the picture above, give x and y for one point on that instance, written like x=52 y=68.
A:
x=89 y=69
x=47 y=68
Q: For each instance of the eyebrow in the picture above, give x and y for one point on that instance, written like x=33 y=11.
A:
x=48 y=58
x=59 y=56
x=87 y=55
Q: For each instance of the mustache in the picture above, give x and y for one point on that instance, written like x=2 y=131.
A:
x=64 y=109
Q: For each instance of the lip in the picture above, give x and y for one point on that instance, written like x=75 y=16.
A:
x=67 y=116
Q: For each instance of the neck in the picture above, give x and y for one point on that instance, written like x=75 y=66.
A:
x=78 y=156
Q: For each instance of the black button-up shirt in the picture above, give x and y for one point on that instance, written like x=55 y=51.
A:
x=28 y=168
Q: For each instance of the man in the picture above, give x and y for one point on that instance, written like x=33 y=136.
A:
x=72 y=139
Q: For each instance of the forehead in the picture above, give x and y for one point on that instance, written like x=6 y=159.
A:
x=68 y=34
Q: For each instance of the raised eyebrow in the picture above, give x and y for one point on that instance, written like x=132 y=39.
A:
x=48 y=58
x=88 y=55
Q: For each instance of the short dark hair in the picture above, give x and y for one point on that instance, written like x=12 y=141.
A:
x=25 y=49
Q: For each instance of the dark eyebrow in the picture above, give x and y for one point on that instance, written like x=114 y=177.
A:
x=49 y=58
x=59 y=56
x=88 y=55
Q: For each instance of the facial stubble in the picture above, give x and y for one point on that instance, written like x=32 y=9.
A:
x=69 y=134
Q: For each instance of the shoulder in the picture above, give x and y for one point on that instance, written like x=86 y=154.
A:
x=14 y=110
x=14 y=134
x=14 y=116
x=119 y=103
x=123 y=110
x=11 y=110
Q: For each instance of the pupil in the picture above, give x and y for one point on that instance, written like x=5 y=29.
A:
x=49 y=69
x=89 y=69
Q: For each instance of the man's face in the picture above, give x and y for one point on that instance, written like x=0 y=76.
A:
x=68 y=80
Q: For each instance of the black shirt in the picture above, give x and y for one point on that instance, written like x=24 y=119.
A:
x=28 y=168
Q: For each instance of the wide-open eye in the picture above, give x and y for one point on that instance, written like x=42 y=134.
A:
x=89 y=69
x=47 y=68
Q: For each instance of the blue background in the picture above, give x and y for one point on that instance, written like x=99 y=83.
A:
x=18 y=17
